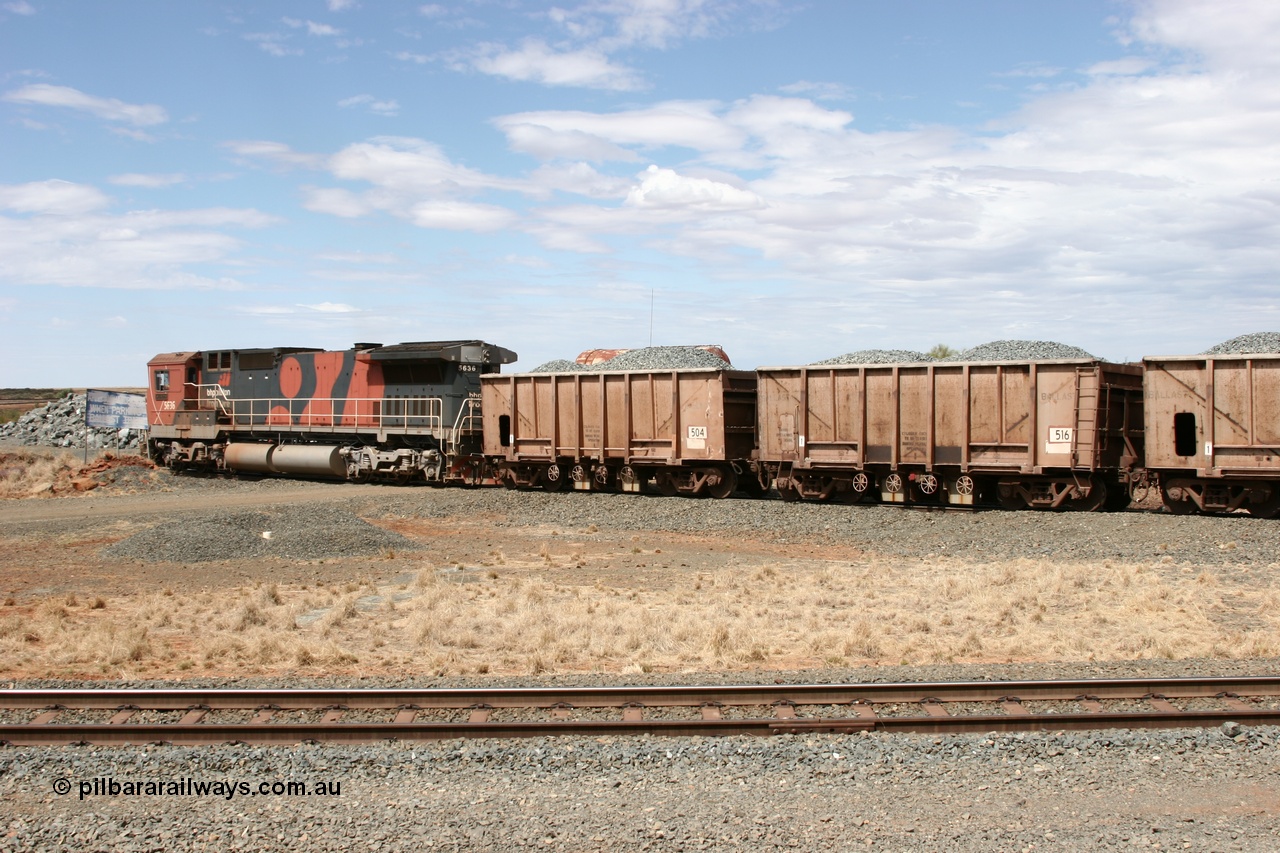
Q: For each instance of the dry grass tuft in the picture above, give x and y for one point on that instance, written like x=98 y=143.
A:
x=804 y=614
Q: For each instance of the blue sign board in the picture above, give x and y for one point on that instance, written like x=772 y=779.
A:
x=115 y=410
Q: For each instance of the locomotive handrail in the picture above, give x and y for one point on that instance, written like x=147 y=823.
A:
x=353 y=412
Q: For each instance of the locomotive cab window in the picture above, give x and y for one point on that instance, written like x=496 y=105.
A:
x=162 y=380
x=1184 y=433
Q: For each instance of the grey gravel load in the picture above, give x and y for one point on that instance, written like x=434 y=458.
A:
x=1268 y=342
x=664 y=358
x=648 y=358
x=299 y=533
x=1020 y=351
x=558 y=365
x=878 y=356
x=60 y=423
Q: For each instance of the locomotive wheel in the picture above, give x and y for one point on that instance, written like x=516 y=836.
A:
x=727 y=484
x=555 y=478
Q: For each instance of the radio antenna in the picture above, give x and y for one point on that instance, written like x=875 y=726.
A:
x=651 y=316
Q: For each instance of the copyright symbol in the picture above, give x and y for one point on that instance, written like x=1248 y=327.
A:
x=62 y=786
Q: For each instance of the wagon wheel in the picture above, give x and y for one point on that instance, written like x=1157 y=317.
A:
x=893 y=483
x=1010 y=498
x=1183 y=506
x=601 y=479
x=631 y=476
x=508 y=478
x=554 y=478
x=927 y=484
x=667 y=484
x=965 y=487
x=1093 y=501
x=790 y=494
x=861 y=482
x=1270 y=508
x=1118 y=497
x=722 y=483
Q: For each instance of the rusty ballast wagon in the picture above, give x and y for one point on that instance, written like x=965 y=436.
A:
x=689 y=431
x=1060 y=434
x=1217 y=462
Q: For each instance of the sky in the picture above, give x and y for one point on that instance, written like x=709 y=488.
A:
x=789 y=180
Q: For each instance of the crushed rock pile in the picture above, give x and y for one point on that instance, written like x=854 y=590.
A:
x=1020 y=351
x=1267 y=342
x=60 y=423
x=878 y=356
x=298 y=533
x=647 y=358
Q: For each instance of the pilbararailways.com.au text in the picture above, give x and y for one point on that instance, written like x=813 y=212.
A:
x=228 y=789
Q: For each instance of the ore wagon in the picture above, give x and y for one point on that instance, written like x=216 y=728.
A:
x=1213 y=431
x=689 y=431
x=1060 y=434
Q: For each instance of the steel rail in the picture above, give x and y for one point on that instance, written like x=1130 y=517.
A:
x=637 y=705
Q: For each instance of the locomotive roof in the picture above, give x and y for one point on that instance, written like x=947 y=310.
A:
x=443 y=350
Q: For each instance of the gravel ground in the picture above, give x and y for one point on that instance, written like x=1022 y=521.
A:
x=1198 y=790
x=1268 y=342
x=300 y=533
x=1212 y=789
x=995 y=534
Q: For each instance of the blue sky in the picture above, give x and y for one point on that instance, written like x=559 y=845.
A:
x=789 y=180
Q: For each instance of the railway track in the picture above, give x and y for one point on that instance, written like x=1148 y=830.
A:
x=199 y=716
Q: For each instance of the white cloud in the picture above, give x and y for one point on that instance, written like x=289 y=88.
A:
x=596 y=136
x=149 y=181
x=273 y=44
x=21 y=7
x=55 y=198
x=332 y=308
x=110 y=109
x=342 y=5
x=461 y=216
x=312 y=28
x=386 y=108
x=665 y=189
x=535 y=61
x=275 y=152
x=64 y=236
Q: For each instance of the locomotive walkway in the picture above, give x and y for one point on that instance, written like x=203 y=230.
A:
x=209 y=716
